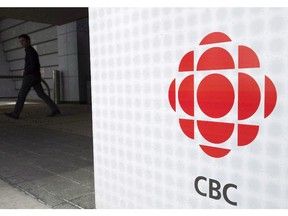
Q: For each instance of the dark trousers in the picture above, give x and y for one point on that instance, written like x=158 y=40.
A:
x=35 y=82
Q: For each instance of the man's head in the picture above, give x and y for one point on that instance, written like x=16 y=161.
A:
x=24 y=40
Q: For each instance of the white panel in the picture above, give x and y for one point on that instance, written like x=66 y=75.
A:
x=142 y=157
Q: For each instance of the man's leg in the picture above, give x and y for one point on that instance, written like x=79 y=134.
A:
x=40 y=92
x=24 y=90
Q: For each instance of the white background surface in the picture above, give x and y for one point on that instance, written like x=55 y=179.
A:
x=142 y=158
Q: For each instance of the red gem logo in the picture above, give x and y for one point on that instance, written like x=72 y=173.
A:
x=215 y=95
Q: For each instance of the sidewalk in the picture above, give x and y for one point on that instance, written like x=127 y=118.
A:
x=12 y=198
x=50 y=159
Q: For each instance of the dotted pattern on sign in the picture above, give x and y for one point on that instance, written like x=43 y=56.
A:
x=142 y=158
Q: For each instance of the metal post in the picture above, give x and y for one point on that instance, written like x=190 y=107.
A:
x=56 y=85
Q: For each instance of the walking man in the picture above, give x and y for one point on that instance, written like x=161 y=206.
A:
x=32 y=78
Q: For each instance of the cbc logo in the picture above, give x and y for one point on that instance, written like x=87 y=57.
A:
x=215 y=94
x=214 y=189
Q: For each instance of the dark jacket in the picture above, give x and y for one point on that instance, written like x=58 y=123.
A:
x=32 y=64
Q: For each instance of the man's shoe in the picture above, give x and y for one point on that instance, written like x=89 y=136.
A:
x=11 y=115
x=56 y=112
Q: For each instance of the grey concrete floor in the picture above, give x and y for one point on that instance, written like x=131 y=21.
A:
x=48 y=159
x=13 y=198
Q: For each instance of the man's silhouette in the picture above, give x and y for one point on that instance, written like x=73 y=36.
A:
x=32 y=78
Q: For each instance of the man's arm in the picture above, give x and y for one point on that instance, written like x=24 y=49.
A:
x=33 y=62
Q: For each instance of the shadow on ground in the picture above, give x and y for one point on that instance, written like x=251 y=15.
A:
x=48 y=158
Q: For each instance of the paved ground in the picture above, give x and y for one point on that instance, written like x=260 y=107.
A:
x=9 y=193
x=50 y=159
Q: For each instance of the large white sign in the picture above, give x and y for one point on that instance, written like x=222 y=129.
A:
x=189 y=107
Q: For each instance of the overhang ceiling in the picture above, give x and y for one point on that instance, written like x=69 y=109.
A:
x=54 y=16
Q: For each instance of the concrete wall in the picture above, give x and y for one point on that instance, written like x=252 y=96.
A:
x=43 y=39
x=68 y=64
x=84 y=60
x=6 y=85
x=74 y=60
x=64 y=48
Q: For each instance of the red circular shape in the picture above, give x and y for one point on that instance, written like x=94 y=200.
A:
x=270 y=96
x=215 y=95
x=186 y=95
x=249 y=96
x=172 y=95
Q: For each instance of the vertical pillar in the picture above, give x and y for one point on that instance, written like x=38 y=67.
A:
x=56 y=86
